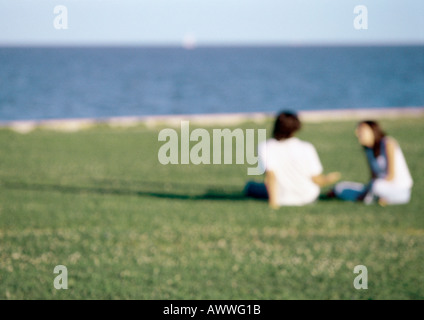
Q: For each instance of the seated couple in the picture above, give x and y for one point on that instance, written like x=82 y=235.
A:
x=294 y=173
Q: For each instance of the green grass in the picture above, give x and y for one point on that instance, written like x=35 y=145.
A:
x=99 y=202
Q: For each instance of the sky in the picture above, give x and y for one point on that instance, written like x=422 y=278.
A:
x=210 y=22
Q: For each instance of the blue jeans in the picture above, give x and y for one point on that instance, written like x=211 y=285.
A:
x=350 y=191
x=377 y=189
x=256 y=190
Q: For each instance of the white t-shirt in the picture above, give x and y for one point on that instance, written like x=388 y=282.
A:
x=402 y=176
x=294 y=163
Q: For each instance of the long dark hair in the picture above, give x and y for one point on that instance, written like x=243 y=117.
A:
x=379 y=134
x=286 y=124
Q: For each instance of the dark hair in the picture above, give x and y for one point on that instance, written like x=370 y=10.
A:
x=286 y=124
x=379 y=134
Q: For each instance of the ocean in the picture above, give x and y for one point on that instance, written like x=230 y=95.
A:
x=100 y=82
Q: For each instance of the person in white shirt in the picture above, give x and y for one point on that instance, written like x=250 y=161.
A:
x=391 y=181
x=293 y=170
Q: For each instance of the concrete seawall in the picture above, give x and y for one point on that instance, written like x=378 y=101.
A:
x=230 y=119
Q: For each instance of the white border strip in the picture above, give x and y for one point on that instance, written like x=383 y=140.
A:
x=73 y=125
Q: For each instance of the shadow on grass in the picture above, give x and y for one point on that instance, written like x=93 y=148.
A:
x=212 y=193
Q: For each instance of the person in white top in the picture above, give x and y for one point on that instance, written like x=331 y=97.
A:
x=293 y=170
x=391 y=181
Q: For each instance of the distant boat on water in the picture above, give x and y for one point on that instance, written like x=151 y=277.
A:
x=189 y=41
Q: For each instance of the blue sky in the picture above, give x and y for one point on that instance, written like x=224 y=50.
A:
x=211 y=22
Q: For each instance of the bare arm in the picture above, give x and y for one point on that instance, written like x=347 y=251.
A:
x=325 y=180
x=390 y=149
x=271 y=185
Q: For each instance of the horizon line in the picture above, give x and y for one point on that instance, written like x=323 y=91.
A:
x=210 y=45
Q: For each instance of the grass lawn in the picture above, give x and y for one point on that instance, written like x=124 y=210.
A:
x=126 y=227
